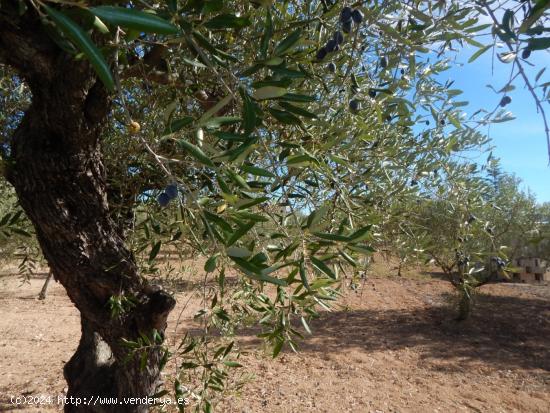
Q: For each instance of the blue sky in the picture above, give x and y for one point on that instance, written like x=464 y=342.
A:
x=520 y=143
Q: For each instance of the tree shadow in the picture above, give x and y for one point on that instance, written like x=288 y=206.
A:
x=506 y=332
x=436 y=275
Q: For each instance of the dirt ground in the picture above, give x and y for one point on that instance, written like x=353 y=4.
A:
x=391 y=347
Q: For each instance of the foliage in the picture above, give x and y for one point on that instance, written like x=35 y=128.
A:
x=283 y=142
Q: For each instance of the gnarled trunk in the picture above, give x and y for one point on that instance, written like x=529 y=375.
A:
x=55 y=165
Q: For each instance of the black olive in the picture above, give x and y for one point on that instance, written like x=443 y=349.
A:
x=505 y=101
x=346 y=27
x=331 y=45
x=331 y=67
x=372 y=93
x=357 y=16
x=526 y=53
x=321 y=53
x=345 y=14
x=338 y=37
x=354 y=105
x=384 y=62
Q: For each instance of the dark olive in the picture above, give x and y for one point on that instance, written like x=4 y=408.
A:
x=442 y=122
x=526 y=53
x=357 y=16
x=384 y=62
x=345 y=14
x=372 y=93
x=346 y=27
x=354 y=105
x=331 y=45
x=505 y=101
x=338 y=37
x=163 y=199
x=171 y=190
x=321 y=53
x=331 y=67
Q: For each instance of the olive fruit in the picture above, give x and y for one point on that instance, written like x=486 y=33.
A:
x=354 y=105
x=346 y=27
x=171 y=190
x=331 y=67
x=134 y=127
x=163 y=199
x=357 y=16
x=442 y=122
x=338 y=37
x=427 y=122
x=346 y=14
x=321 y=53
x=384 y=62
x=526 y=53
x=331 y=45
x=372 y=93
x=505 y=101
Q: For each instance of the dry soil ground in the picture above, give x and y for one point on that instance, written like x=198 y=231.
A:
x=391 y=347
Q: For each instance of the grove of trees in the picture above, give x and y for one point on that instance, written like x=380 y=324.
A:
x=283 y=141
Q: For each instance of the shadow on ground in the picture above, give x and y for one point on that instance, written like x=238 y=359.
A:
x=506 y=332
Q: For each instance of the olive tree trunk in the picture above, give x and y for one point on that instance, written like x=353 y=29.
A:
x=55 y=165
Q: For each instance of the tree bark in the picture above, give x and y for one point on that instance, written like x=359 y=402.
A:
x=55 y=166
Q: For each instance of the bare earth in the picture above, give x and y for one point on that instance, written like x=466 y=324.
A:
x=391 y=347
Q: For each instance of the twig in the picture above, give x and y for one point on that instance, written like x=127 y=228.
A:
x=526 y=80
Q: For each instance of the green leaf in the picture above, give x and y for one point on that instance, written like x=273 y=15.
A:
x=536 y=12
x=268 y=32
x=540 y=43
x=210 y=264
x=323 y=267
x=155 y=250
x=479 y=53
x=134 y=19
x=249 y=114
x=238 y=252
x=214 y=109
x=360 y=234
x=254 y=170
x=227 y=21
x=508 y=22
x=177 y=124
x=252 y=271
x=293 y=97
x=232 y=364
x=284 y=117
x=332 y=237
x=84 y=44
x=277 y=347
x=242 y=230
x=297 y=110
x=314 y=218
x=288 y=42
x=215 y=123
x=303 y=275
x=269 y=92
x=196 y=153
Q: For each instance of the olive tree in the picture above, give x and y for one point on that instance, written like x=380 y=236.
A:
x=269 y=136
